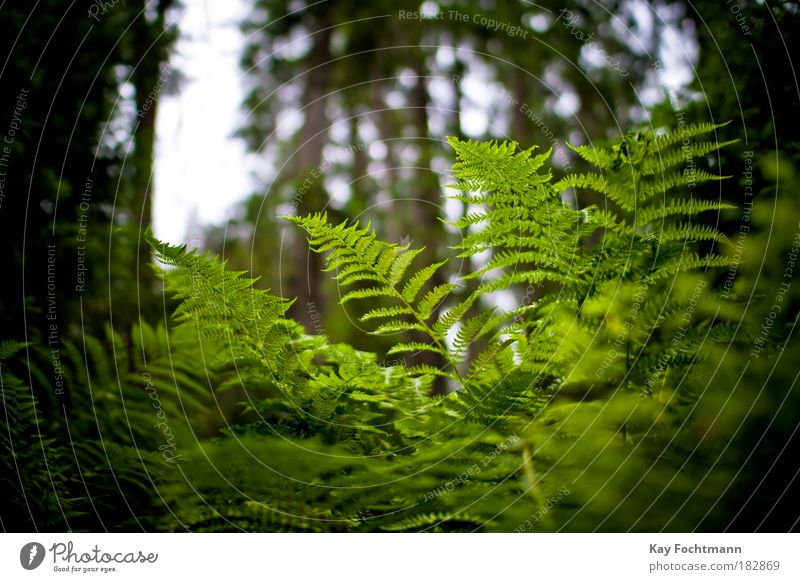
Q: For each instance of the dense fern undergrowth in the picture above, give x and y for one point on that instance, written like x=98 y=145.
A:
x=618 y=393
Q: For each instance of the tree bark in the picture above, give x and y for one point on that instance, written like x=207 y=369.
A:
x=427 y=208
x=150 y=48
x=305 y=271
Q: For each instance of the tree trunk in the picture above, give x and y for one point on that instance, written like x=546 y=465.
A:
x=427 y=208
x=150 y=48
x=305 y=271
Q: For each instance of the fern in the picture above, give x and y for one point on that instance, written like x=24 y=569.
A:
x=576 y=408
x=583 y=406
x=221 y=304
x=357 y=255
x=562 y=405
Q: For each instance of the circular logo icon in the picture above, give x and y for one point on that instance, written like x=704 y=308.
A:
x=31 y=555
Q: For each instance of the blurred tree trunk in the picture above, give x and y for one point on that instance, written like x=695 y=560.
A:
x=150 y=45
x=427 y=207
x=305 y=271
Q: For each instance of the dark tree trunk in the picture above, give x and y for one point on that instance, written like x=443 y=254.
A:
x=427 y=208
x=150 y=49
x=305 y=271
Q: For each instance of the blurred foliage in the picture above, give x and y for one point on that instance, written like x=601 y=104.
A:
x=628 y=397
x=72 y=87
x=346 y=104
x=79 y=449
x=92 y=457
x=613 y=324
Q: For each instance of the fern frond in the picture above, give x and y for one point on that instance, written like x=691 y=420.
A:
x=396 y=326
x=427 y=370
x=414 y=347
x=471 y=330
x=435 y=521
x=689 y=232
x=690 y=207
x=694 y=150
x=452 y=316
x=596 y=156
x=689 y=262
x=387 y=312
x=222 y=305
x=671 y=138
x=367 y=258
x=433 y=298
x=674 y=178
x=601 y=184
x=492 y=166
x=418 y=280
